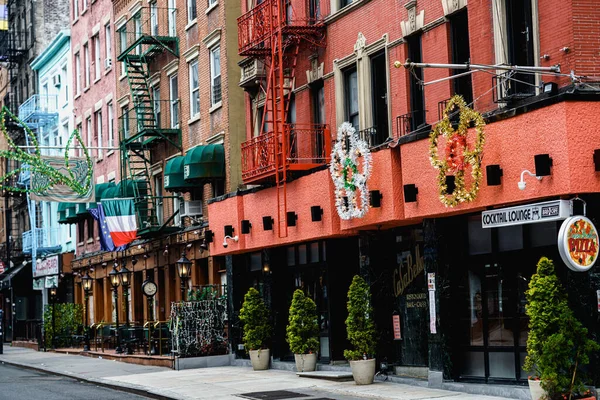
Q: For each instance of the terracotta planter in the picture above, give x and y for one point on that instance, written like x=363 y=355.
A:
x=363 y=371
x=535 y=388
x=306 y=362
x=260 y=359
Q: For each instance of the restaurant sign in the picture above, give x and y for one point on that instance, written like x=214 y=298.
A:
x=555 y=210
x=578 y=243
x=47 y=266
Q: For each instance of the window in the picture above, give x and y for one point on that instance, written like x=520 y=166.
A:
x=80 y=150
x=379 y=130
x=97 y=59
x=85 y=4
x=75 y=9
x=108 y=46
x=154 y=19
x=461 y=54
x=177 y=204
x=314 y=10
x=191 y=9
x=125 y=119
x=86 y=66
x=65 y=83
x=218 y=187
x=122 y=46
x=174 y=100
x=172 y=18
x=212 y=3
x=156 y=99
x=111 y=126
x=137 y=25
x=159 y=200
x=417 y=99
x=344 y=3
x=77 y=74
x=318 y=110
x=88 y=127
x=90 y=227
x=215 y=75
x=351 y=96
x=99 y=133
x=81 y=231
x=194 y=90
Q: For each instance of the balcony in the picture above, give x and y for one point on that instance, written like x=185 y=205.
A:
x=14 y=45
x=306 y=147
x=151 y=123
x=39 y=110
x=149 y=32
x=252 y=71
x=411 y=122
x=45 y=239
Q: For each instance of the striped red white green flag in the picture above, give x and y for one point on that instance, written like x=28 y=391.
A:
x=120 y=220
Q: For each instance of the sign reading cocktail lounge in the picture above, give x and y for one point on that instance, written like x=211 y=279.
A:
x=555 y=210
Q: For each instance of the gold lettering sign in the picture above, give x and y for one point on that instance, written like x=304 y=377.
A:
x=407 y=271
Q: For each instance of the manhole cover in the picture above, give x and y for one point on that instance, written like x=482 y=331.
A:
x=273 y=395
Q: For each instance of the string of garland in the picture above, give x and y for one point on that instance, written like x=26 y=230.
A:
x=35 y=164
x=458 y=155
x=348 y=152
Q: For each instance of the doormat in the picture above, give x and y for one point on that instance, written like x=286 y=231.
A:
x=273 y=395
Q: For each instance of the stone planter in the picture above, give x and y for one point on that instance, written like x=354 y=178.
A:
x=363 y=371
x=306 y=362
x=535 y=388
x=260 y=359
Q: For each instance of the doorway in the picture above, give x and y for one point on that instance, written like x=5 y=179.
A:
x=519 y=28
x=379 y=100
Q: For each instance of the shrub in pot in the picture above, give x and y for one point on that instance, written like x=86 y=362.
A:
x=558 y=344
x=361 y=332
x=303 y=331
x=254 y=315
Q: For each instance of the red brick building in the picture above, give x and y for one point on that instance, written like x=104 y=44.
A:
x=339 y=65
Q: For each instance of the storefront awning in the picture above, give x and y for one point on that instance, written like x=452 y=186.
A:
x=5 y=280
x=67 y=213
x=111 y=192
x=99 y=190
x=174 y=181
x=81 y=209
x=204 y=162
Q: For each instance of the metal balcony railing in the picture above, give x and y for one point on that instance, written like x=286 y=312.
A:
x=372 y=136
x=152 y=120
x=44 y=238
x=411 y=122
x=39 y=110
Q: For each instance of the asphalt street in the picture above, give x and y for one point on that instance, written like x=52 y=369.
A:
x=17 y=384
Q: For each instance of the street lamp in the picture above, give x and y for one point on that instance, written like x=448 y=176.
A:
x=115 y=282
x=53 y=293
x=183 y=269
x=125 y=276
x=87 y=287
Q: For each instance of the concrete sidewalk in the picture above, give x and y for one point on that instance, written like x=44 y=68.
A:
x=213 y=383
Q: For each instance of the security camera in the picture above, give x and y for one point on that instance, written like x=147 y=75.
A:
x=225 y=243
x=522 y=185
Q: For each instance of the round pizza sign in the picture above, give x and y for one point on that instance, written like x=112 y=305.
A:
x=578 y=243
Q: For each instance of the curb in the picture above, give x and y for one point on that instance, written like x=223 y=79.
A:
x=98 y=382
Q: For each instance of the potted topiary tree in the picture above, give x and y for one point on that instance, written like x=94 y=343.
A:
x=361 y=332
x=557 y=345
x=254 y=315
x=303 y=331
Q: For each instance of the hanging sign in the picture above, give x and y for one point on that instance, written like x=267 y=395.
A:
x=38 y=283
x=555 y=210
x=396 y=325
x=47 y=266
x=578 y=243
x=432 y=312
x=51 y=282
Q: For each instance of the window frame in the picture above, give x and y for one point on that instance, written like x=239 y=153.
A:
x=97 y=57
x=111 y=125
x=214 y=77
x=98 y=133
x=192 y=11
x=78 y=73
x=107 y=46
x=194 y=90
x=174 y=102
x=86 y=65
x=348 y=114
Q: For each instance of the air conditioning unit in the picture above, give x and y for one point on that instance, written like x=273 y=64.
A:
x=192 y=208
x=56 y=80
x=108 y=63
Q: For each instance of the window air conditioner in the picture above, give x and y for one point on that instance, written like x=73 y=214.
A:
x=108 y=63
x=192 y=208
x=56 y=80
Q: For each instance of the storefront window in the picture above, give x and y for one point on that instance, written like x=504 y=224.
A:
x=510 y=238
x=480 y=240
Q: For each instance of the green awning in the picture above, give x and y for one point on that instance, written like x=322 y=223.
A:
x=111 y=192
x=67 y=213
x=204 y=162
x=173 y=176
x=99 y=192
x=81 y=209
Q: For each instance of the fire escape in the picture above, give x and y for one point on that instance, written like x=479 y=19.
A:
x=148 y=36
x=273 y=33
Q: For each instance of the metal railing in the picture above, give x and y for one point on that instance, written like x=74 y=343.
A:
x=44 y=237
x=39 y=108
x=147 y=23
x=410 y=122
x=512 y=86
x=371 y=136
x=159 y=116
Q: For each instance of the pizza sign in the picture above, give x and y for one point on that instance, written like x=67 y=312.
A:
x=578 y=243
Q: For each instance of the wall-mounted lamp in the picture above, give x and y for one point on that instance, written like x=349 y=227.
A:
x=203 y=245
x=493 y=174
x=450 y=184
x=550 y=88
x=228 y=230
x=234 y=238
x=246 y=225
x=522 y=184
x=597 y=160
x=208 y=236
x=291 y=218
x=410 y=193
x=543 y=163
x=316 y=213
x=268 y=223
x=375 y=197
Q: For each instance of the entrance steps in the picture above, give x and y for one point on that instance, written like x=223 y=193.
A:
x=339 y=376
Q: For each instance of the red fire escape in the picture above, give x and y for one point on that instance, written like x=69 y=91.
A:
x=274 y=34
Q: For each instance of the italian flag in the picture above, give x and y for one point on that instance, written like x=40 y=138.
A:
x=120 y=220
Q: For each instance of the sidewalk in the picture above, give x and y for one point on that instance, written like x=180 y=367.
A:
x=213 y=383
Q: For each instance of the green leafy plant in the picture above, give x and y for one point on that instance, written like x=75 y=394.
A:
x=254 y=315
x=303 y=327
x=359 y=324
x=558 y=344
x=68 y=321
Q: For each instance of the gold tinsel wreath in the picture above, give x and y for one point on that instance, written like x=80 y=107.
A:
x=471 y=157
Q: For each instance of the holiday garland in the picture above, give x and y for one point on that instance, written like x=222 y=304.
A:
x=458 y=155
x=35 y=164
x=348 y=153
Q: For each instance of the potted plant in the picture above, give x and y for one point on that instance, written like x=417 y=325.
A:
x=558 y=344
x=303 y=331
x=361 y=332
x=254 y=315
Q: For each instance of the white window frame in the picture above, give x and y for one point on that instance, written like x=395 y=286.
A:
x=98 y=117
x=75 y=9
x=158 y=192
x=89 y=133
x=194 y=91
x=214 y=76
x=156 y=108
x=97 y=58
x=124 y=115
x=212 y=3
x=154 y=18
x=85 y=5
x=192 y=11
x=174 y=101
x=111 y=125
x=108 y=45
x=86 y=65
x=172 y=17
x=65 y=82
x=123 y=45
x=78 y=73
x=177 y=202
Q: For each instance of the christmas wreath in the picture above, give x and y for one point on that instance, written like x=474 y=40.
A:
x=458 y=155
x=347 y=156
